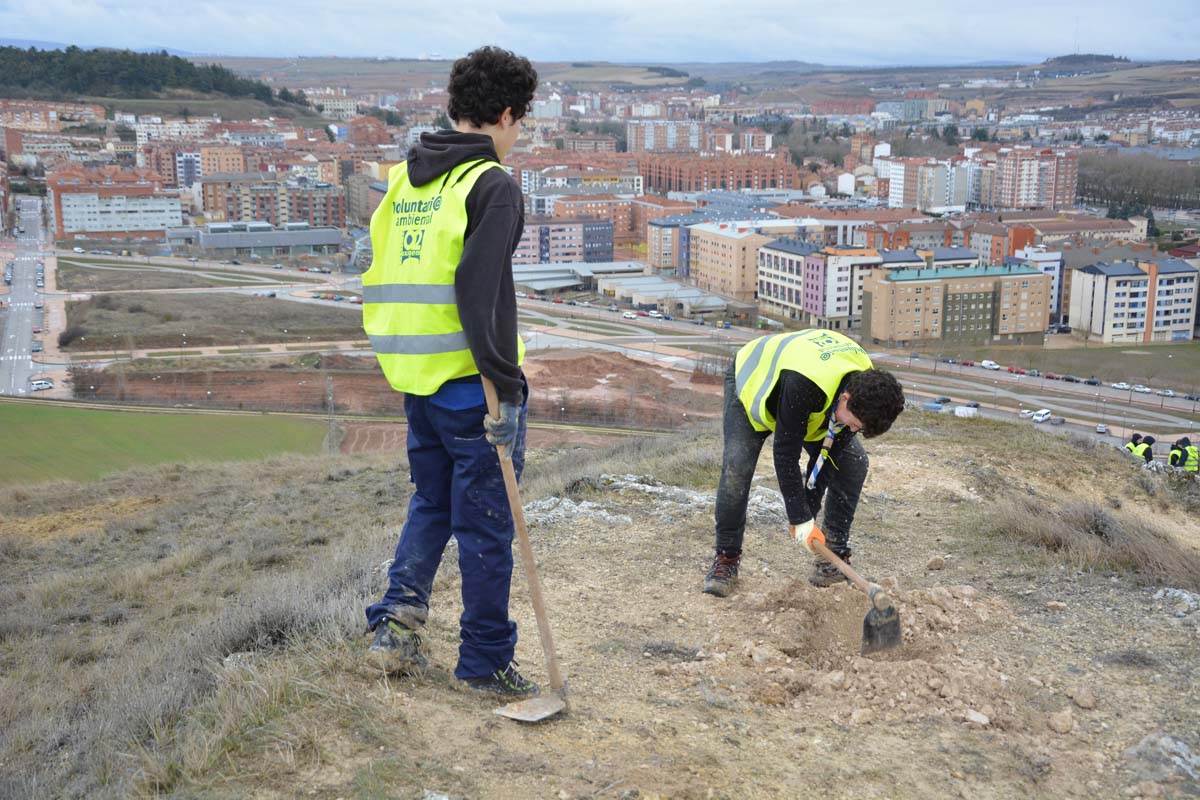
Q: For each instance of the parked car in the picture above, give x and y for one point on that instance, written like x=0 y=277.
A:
x=558 y=300
x=989 y=364
x=1137 y=387
x=1120 y=385
x=698 y=322
x=76 y=250
x=1016 y=370
x=1035 y=373
x=37 y=328
x=656 y=314
x=39 y=385
x=642 y=313
x=1166 y=393
x=1101 y=428
x=1042 y=415
x=1093 y=381
x=667 y=316
x=614 y=307
x=37 y=347
x=931 y=406
x=968 y=363
x=941 y=400
x=1053 y=376
x=1026 y=413
x=972 y=404
x=1191 y=397
x=1070 y=379
x=1058 y=421
x=949 y=361
x=629 y=315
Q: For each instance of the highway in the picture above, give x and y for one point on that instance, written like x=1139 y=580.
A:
x=20 y=314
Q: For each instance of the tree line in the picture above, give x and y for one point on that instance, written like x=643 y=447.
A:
x=1129 y=181
x=121 y=73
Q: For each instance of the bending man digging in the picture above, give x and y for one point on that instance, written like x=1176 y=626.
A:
x=814 y=390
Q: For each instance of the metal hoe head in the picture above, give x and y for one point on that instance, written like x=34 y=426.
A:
x=881 y=630
x=535 y=709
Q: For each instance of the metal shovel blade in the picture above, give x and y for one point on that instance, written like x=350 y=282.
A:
x=881 y=630
x=535 y=709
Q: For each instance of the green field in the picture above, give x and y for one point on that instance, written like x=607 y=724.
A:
x=62 y=443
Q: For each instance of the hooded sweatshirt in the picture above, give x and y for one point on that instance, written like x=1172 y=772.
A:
x=483 y=283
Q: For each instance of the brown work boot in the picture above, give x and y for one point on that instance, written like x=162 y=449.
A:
x=722 y=576
x=825 y=574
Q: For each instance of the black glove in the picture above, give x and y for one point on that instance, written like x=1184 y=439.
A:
x=503 y=432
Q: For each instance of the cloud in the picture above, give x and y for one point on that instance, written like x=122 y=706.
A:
x=867 y=32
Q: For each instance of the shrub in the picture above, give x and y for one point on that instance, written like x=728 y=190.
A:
x=70 y=334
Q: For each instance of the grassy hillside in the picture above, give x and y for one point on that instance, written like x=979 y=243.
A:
x=48 y=442
x=198 y=632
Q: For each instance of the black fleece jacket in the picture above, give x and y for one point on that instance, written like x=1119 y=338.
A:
x=483 y=283
x=792 y=401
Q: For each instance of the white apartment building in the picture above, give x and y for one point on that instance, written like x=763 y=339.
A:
x=781 y=277
x=108 y=213
x=171 y=130
x=187 y=168
x=1143 y=301
x=1048 y=262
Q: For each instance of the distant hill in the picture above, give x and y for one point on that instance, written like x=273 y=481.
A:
x=1085 y=60
x=119 y=73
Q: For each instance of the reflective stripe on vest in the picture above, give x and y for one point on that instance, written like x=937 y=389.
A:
x=410 y=310
x=1192 y=463
x=824 y=357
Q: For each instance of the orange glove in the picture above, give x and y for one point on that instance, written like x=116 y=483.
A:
x=806 y=533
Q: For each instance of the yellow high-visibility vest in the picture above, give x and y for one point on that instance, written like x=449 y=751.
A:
x=824 y=357
x=410 y=312
x=1140 y=451
x=1192 y=462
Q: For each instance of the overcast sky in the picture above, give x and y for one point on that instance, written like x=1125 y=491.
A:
x=866 y=32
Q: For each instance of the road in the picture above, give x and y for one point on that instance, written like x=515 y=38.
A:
x=16 y=364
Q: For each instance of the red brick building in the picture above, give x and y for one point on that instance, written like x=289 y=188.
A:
x=616 y=210
x=694 y=173
x=368 y=131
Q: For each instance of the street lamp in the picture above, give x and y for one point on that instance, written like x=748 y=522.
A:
x=995 y=394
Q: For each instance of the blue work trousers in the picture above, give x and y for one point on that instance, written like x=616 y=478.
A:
x=459 y=492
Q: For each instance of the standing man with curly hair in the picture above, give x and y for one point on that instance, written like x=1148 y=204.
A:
x=814 y=390
x=440 y=310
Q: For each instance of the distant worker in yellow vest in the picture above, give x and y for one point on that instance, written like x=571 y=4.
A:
x=440 y=310
x=1134 y=441
x=814 y=390
x=1177 y=454
x=1144 y=449
x=1191 y=460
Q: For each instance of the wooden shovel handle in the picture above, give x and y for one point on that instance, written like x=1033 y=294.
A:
x=531 y=576
x=879 y=597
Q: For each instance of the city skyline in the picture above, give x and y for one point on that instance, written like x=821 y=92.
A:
x=930 y=32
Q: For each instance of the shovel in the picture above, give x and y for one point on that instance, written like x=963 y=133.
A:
x=881 y=626
x=544 y=706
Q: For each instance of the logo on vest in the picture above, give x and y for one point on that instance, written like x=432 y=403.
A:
x=415 y=213
x=410 y=244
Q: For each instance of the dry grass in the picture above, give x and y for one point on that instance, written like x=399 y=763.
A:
x=1089 y=537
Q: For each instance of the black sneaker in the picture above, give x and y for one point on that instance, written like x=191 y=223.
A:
x=396 y=649
x=506 y=682
x=825 y=574
x=722 y=576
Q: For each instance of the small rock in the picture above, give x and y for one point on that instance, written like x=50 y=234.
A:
x=1061 y=722
x=976 y=718
x=861 y=716
x=765 y=654
x=890 y=584
x=836 y=680
x=1084 y=697
x=936 y=563
x=1056 y=605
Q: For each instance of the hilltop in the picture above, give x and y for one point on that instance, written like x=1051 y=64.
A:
x=197 y=631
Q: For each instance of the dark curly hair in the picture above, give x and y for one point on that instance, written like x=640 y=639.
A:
x=487 y=81
x=876 y=399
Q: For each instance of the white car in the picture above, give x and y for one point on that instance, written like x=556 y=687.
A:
x=38 y=386
x=1026 y=413
x=629 y=315
x=1166 y=393
x=1121 y=385
x=1101 y=428
x=986 y=364
x=656 y=315
x=1043 y=415
x=1137 y=387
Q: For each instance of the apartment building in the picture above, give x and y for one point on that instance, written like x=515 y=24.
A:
x=188 y=168
x=171 y=130
x=744 y=141
x=1134 y=301
x=947 y=307
x=49 y=117
x=781 y=265
x=615 y=210
x=274 y=198
x=589 y=143
x=1048 y=262
x=221 y=159
x=110 y=203
x=650 y=207
x=565 y=241
x=1028 y=177
x=335 y=106
x=675 y=173
x=663 y=135
x=723 y=256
